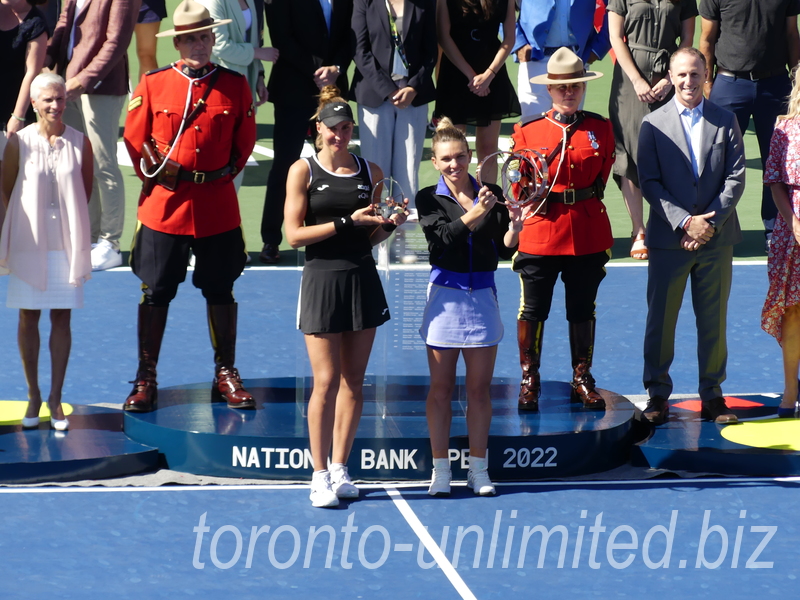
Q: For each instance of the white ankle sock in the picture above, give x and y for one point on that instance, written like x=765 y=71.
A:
x=441 y=464
x=477 y=464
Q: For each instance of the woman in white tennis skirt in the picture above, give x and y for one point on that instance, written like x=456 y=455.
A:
x=45 y=243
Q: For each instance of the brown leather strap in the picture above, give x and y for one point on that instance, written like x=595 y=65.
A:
x=570 y=130
x=203 y=176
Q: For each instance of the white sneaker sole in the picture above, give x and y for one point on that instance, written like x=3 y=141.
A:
x=110 y=263
x=319 y=501
x=483 y=491
x=346 y=491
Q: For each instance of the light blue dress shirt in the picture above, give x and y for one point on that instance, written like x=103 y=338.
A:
x=692 y=122
x=560 y=33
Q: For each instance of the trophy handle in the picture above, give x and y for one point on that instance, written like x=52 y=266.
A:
x=493 y=156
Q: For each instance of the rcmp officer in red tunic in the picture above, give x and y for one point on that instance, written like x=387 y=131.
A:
x=571 y=234
x=190 y=129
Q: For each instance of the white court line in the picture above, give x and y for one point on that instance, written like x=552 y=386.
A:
x=263 y=150
x=393 y=490
x=425 y=537
x=193 y=488
x=426 y=266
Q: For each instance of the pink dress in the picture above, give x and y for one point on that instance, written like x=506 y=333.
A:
x=45 y=241
x=783 y=166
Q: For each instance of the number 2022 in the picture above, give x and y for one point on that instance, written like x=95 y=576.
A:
x=529 y=458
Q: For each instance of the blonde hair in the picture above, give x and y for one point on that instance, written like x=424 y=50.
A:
x=794 y=98
x=328 y=94
x=447 y=132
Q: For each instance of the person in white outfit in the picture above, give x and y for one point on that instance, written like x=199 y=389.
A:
x=45 y=242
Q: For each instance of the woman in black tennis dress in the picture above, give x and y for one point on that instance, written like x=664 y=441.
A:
x=328 y=211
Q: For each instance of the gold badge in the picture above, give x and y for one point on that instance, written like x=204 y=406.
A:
x=135 y=103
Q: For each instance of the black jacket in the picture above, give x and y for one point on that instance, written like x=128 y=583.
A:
x=297 y=29
x=372 y=81
x=449 y=238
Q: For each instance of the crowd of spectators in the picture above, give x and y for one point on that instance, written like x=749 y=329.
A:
x=406 y=54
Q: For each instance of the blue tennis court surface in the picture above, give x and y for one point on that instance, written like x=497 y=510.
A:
x=103 y=356
x=709 y=538
x=679 y=539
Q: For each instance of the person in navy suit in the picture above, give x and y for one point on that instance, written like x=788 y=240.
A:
x=691 y=170
x=313 y=38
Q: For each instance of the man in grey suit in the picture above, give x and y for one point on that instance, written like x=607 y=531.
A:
x=691 y=170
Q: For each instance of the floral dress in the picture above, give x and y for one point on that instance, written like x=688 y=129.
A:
x=783 y=166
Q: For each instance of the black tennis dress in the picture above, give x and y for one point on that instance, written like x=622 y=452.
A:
x=341 y=289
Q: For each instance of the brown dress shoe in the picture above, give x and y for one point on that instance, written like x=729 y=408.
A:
x=583 y=388
x=228 y=385
x=227 y=382
x=529 y=340
x=716 y=410
x=144 y=395
x=657 y=410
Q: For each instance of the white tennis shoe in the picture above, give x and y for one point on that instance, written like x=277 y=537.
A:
x=341 y=484
x=478 y=481
x=104 y=256
x=322 y=495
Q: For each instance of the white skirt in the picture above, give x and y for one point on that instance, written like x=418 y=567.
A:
x=456 y=318
x=59 y=293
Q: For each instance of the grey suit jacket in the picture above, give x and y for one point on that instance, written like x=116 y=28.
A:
x=100 y=55
x=667 y=180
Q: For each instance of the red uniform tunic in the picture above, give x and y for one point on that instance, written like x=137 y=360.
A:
x=224 y=129
x=583 y=227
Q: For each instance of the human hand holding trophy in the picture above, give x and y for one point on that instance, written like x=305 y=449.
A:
x=389 y=201
x=523 y=179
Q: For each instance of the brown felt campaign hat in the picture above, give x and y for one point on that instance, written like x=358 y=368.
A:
x=565 y=67
x=191 y=16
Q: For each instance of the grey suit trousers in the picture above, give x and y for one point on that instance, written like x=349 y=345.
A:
x=710 y=271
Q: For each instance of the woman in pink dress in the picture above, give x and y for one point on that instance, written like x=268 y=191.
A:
x=781 y=314
x=45 y=242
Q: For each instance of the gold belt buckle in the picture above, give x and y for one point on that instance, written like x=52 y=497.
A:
x=198 y=177
x=569 y=196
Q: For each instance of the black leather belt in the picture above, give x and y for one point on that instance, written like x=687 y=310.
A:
x=570 y=196
x=751 y=75
x=203 y=176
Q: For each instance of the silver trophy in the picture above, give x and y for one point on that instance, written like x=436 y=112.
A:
x=523 y=178
x=388 y=198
